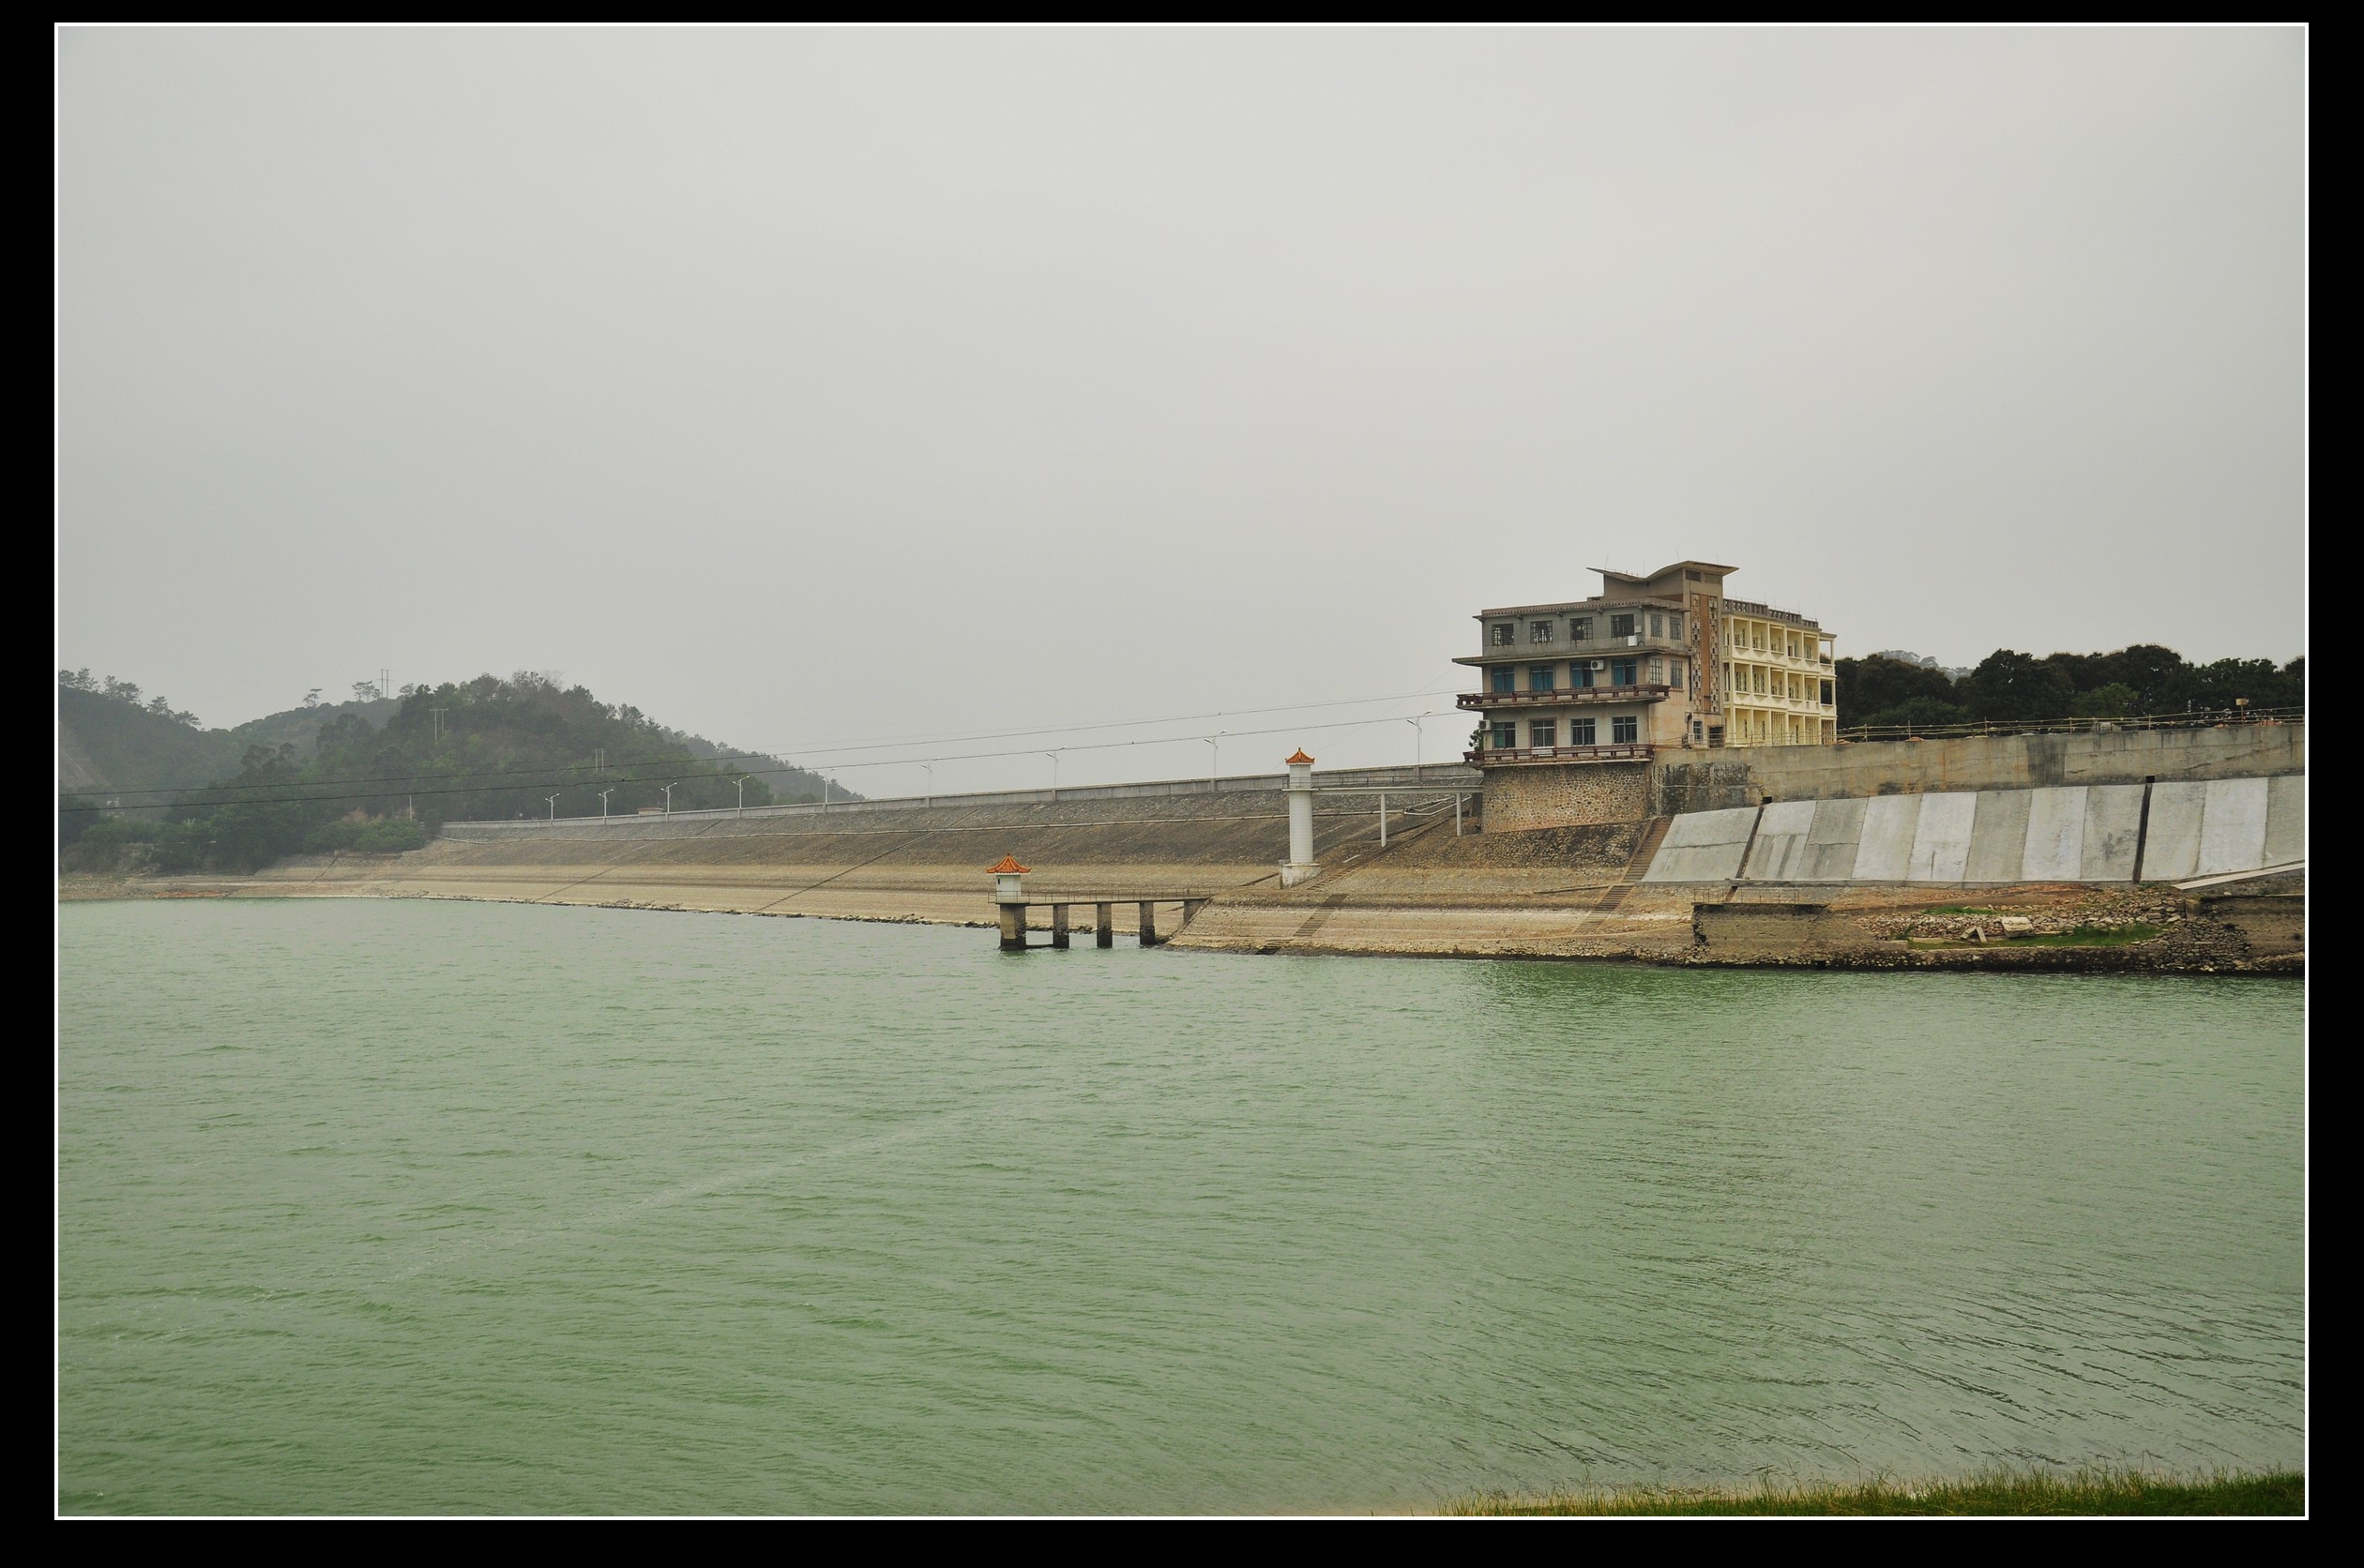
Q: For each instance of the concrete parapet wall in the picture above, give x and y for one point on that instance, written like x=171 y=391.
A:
x=2098 y=833
x=1749 y=775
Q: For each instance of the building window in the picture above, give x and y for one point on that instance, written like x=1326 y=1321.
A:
x=1540 y=677
x=1674 y=625
x=1826 y=693
x=1582 y=731
x=1580 y=628
x=1675 y=672
x=1503 y=634
x=1506 y=680
x=1621 y=672
x=1538 y=631
x=1543 y=732
x=1621 y=626
x=1658 y=672
x=1625 y=728
x=1697 y=732
x=1580 y=672
x=1657 y=625
x=1505 y=735
x=1760 y=678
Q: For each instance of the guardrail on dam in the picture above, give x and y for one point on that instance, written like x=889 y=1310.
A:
x=2099 y=833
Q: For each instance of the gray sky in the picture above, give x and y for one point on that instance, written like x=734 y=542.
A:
x=808 y=388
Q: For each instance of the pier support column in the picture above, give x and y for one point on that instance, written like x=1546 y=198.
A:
x=1104 y=925
x=1148 y=924
x=1190 y=909
x=1013 y=928
x=1059 y=926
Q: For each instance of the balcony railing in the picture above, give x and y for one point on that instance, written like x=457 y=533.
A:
x=1767 y=613
x=1495 y=756
x=1483 y=700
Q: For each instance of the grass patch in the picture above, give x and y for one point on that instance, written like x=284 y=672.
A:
x=2082 y=1494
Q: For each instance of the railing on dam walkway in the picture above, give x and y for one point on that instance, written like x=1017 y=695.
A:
x=2214 y=718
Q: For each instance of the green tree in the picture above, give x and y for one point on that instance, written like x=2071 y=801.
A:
x=2010 y=687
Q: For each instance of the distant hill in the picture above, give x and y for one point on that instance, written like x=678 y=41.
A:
x=788 y=782
x=105 y=742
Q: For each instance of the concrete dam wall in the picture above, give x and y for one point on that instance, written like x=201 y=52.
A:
x=1738 y=776
x=2084 y=833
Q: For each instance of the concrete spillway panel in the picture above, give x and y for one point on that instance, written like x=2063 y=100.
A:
x=2114 y=819
x=1703 y=846
x=2171 y=846
x=1998 y=840
x=2285 y=819
x=1831 y=843
x=1941 y=840
x=1780 y=848
x=2055 y=836
x=2233 y=826
x=1885 y=852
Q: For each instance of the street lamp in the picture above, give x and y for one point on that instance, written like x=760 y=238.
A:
x=603 y=806
x=669 y=790
x=554 y=805
x=1416 y=748
x=928 y=796
x=1214 y=755
x=741 y=781
x=1054 y=774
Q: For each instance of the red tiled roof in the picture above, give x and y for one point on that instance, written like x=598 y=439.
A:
x=1300 y=757
x=1008 y=863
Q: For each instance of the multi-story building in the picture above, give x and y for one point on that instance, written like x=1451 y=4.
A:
x=1647 y=664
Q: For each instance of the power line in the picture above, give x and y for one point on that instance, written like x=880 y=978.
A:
x=823 y=755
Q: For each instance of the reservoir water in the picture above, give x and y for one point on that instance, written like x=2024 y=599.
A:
x=376 y=1206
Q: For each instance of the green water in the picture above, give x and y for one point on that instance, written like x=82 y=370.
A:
x=393 y=1206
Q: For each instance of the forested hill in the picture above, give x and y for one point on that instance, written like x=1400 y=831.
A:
x=109 y=739
x=2009 y=687
x=482 y=750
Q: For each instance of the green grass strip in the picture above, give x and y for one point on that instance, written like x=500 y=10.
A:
x=2087 y=1493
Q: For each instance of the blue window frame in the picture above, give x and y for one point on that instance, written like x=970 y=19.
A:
x=1540 y=677
x=1622 y=671
x=1580 y=672
x=1505 y=679
x=1582 y=731
x=1505 y=735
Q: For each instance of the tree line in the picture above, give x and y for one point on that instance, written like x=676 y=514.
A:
x=469 y=751
x=2010 y=686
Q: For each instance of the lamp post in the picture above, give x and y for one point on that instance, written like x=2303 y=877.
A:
x=1054 y=774
x=1416 y=748
x=1214 y=755
x=928 y=791
x=669 y=790
x=603 y=806
x=741 y=781
x=554 y=805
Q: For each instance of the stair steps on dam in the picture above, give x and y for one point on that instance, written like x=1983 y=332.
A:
x=2104 y=833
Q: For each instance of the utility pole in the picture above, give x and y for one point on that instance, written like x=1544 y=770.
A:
x=386 y=683
x=1214 y=755
x=824 y=794
x=554 y=805
x=1416 y=748
x=930 y=797
x=604 y=806
x=437 y=714
x=669 y=790
x=599 y=759
x=1054 y=775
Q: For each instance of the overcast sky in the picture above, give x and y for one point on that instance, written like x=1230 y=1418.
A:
x=813 y=387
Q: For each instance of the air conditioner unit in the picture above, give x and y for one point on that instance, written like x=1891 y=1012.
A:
x=1633 y=642
x=1597 y=664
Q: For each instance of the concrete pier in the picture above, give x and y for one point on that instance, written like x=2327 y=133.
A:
x=1059 y=926
x=1148 y=924
x=1103 y=924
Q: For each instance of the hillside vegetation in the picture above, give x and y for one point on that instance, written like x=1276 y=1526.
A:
x=2009 y=687
x=470 y=751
